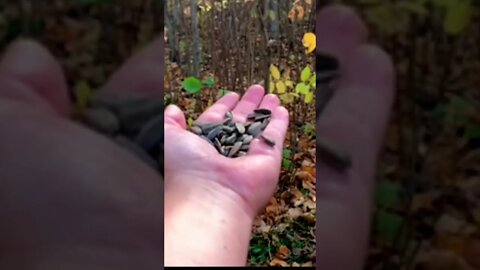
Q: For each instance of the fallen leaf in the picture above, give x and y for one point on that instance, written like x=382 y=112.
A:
x=278 y=262
x=472 y=254
x=283 y=252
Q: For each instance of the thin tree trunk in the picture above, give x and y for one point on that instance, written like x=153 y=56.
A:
x=196 y=38
x=274 y=26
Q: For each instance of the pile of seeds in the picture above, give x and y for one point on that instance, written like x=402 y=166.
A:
x=133 y=121
x=233 y=139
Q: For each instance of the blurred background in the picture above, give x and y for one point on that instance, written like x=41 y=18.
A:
x=427 y=212
x=213 y=47
x=91 y=38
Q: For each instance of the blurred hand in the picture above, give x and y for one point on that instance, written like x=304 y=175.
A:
x=355 y=119
x=252 y=178
x=70 y=198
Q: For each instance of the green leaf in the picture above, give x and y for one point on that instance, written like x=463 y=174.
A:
x=309 y=129
x=388 y=194
x=313 y=81
x=192 y=85
x=287 y=164
x=390 y=228
x=472 y=132
x=222 y=92
x=302 y=88
x=209 y=82
x=306 y=74
x=287 y=153
x=308 y=98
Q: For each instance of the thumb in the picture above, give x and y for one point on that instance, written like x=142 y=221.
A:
x=29 y=73
x=175 y=116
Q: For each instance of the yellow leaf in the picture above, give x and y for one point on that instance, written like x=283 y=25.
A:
x=83 y=93
x=458 y=17
x=287 y=98
x=309 y=41
x=289 y=83
x=416 y=8
x=190 y=121
x=271 y=86
x=308 y=97
x=275 y=72
x=388 y=18
x=281 y=88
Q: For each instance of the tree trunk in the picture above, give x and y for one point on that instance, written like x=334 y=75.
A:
x=196 y=39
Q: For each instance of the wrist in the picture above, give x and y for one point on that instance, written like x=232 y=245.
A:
x=205 y=223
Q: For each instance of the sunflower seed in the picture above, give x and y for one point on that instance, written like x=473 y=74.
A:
x=133 y=116
x=214 y=133
x=217 y=144
x=229 y=115
x=136 y=150
x=150 y=135
x=207 y=127
x=235 y=149
x=263 y=111
x=240 y=128
x=102 y=120
x=241 y=153
x=260 y=117
x=228 y=129
x=206 y=139
x=196 y=129
x=268 y=140
x=332 y=154
x=251 y=116
x=223 y=151
x=231 y=139
x=245 y=147
x=248 y=139
x=255 y=129
x=223 y=139
x=265 y=124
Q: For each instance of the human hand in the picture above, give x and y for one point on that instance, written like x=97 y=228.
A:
x=211 y=200
x=354 y=119
x=252 y=178
x=70 y=198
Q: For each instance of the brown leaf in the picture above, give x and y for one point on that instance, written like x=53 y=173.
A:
x=278 y=262
x=294 y=212
x=304 y=175
x=442 y=260
x=455 y=244
x=473 y=254
x=283 y=252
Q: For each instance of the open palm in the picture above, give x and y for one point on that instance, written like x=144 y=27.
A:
x=252 y=177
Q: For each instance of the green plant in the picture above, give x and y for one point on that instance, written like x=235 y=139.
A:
x=287 y=163
x=194 y=85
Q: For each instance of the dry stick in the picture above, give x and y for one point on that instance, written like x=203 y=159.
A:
x=266 y=66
